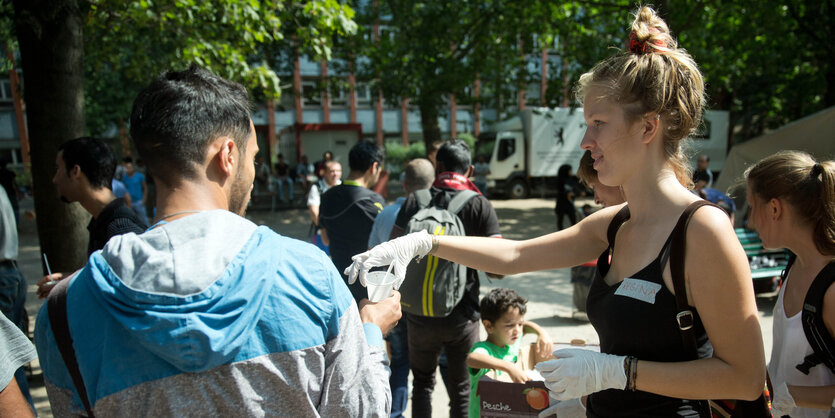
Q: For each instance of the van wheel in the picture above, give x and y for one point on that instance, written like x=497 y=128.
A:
x=518 y=189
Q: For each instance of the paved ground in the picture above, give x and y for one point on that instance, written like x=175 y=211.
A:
x=548 y=292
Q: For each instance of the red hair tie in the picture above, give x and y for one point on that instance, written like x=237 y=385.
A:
x=642 y=47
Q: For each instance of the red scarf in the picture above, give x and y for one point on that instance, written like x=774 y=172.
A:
x=455 y=181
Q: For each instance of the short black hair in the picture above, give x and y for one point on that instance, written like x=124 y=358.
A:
x=454 y=155
x=95 y=159
x=565 y=170
x=363 y=155
x=701 y=176
x=498 y=301
x=177 y=116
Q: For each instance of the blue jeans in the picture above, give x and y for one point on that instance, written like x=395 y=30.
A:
x=13 y=305
x=398 y=340
x=280 y=182
x=138 y=206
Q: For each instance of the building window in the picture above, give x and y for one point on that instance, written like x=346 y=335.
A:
x=311 y=94
x=338 y=93
x=6 y=91
x=363 y=92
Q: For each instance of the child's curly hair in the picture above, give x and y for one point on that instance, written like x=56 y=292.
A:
x=499 y=301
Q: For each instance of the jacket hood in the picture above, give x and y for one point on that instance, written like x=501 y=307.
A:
x=178 y=287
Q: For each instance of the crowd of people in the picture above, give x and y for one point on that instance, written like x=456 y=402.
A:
x=186 y=307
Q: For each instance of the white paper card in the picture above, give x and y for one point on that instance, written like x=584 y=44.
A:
x=638 y=289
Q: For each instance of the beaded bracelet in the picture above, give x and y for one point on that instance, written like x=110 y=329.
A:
x=630 y=368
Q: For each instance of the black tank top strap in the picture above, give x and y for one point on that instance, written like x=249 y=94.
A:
x=664 y=255
x=618 y=220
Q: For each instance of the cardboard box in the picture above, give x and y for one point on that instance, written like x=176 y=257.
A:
x=501 y=398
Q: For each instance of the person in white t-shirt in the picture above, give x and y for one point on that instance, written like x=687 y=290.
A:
x=792 y=199
x=332 y=177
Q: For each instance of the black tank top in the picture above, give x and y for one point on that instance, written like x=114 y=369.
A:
x=637 y=317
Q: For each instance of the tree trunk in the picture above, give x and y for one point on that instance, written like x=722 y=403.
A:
x=429 y=122
x=51 y=49
x=829 y=94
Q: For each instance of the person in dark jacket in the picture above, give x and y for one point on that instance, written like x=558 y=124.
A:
x=567 y=188
x=84 y=173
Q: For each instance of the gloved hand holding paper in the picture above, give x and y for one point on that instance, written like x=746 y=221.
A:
x=397 y=252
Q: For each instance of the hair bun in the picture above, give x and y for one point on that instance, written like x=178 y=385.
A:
x=639 y=47
x=649 y=33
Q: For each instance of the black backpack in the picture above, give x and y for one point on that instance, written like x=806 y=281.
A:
x=435 y=286
x=823 y=346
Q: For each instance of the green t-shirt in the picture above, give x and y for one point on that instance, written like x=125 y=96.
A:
x=507 y=353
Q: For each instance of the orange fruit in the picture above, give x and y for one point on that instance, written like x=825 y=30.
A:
x=537 y=398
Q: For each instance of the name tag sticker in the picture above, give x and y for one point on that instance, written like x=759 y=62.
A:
x=638 y=289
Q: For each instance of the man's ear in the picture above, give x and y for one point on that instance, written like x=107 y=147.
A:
x=75 y=172
x=227 y=155
x=469 y=172
x=650 y=124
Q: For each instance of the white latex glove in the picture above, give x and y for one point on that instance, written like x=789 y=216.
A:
x=782 y=403
x=576 y=372
x=399 y=252
x=572 y=408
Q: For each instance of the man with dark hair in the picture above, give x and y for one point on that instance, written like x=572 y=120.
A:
x=84 y=170
x=456 y=333
x=418 y=175
x=347 y=211
x=206 y=313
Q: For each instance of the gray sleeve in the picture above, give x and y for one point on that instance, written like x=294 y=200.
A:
x=356 y=381
x=60 y=401
x=15 y=350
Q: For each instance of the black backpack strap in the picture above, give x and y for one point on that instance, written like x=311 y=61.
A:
x=823 y=346
x=423 y=198
x=685 y=316
x=57 y=309
x=460 y=200
x=618 y=220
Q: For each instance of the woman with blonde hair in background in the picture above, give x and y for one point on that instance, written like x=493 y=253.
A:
x=639 y=106
x=792 y=199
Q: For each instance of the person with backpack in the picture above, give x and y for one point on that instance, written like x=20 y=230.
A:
x=418 y=175
x=639 y=105
x=442 y=298
x=792 y=199
x=348 y=210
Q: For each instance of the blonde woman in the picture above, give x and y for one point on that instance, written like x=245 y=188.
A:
x=639 y=106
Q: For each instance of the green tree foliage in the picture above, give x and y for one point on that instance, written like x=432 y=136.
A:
x=128 y=43
x=111 y=48
x=766 y=62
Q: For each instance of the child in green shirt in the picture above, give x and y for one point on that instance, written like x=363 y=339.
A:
x=503 y=316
